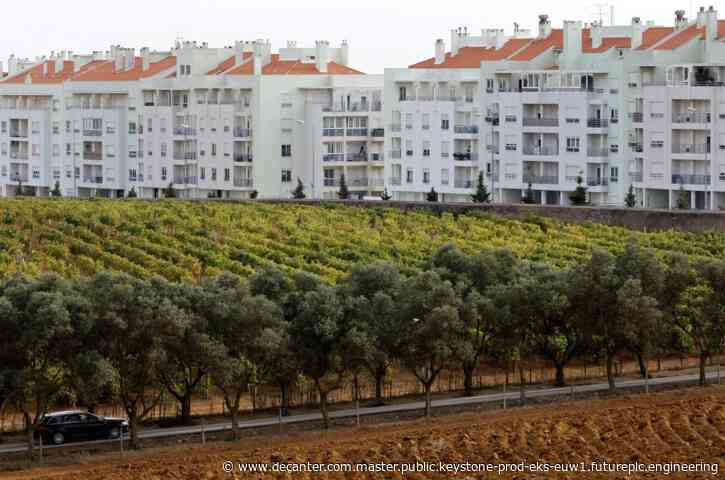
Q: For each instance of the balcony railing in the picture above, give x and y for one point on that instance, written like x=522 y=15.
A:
x=15 y=133
x=357 y=132
x=691 y=117
x=185 y=156
x=184 y=180
x=333 y=157
x=376 y=157
x=357 y=157
x=395 y=180
x=463 y=183
x=243 y=182
x=466 y=129
x=540 y=122
x=242 y=132
x=636 y=147
x=541 y=151
x=685 y=179
x=185 y=131
x=690 y=148
x=18 y=178
x=636 y=176
x=637 y=117
x=597 y=152
x=597 y=182
x=377 y=132
x=93 y=179
x=465 y=156
x=541 y=179
x=19 y=155
x=93 y=132
x=333 y=132
x=396 y=154
x=92 y=156
x=243 y=157
x=597 y=123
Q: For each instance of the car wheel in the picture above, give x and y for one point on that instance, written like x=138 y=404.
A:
x=114 y=432
x=58 y=438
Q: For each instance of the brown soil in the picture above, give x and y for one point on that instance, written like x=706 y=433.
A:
x=683 y=426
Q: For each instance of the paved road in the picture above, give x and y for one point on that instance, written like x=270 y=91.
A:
x=403 y=407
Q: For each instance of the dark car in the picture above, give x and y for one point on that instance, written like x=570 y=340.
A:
x=61 y=427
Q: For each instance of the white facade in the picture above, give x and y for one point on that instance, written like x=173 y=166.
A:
x=613 y=106
x=210 y=122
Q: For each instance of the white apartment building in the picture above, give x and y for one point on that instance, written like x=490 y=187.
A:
x=635 y=104
x=229 y=122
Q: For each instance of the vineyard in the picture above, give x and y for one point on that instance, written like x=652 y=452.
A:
x=184 y=241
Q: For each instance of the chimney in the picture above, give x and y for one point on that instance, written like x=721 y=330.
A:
x=238 y=53
x=455 y=41
x=544 y=26
x=680 y=19
x=597 y=33
x=322 y=55
x=45 y=68
x=440 y=51
x=711 y=23
x=345 y=53
x=572 y=39
x=499 y=39
x=637 y=32
x=701 y=17
x=145 y=58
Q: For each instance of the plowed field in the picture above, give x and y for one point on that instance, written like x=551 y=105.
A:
x=687 y=426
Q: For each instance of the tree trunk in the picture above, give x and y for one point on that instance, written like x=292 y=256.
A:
x=559 y=381
x=133 y=426
x=234 y=411
x=323 y=409
x=610 y=373
x=284 y=400
x=379 y=379
x=186 y=408
x=468 y=380
x=30 y=439
x=703 y=363
x=642 y=366
x=522 y=384
x=428 y=401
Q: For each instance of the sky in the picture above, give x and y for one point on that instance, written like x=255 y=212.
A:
x=381 y=33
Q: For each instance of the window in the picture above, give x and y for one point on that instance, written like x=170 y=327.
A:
x=286 y=176
x=426 y=175
x=409 y=121
x=402 y=94
x=68 y=149
x=227 y=175
x=163 y=149
x=35 y=149
x=614 y=174
x=445 y=122
x=68 y=126
x=409 y=148
x=150 y=125
x=287 y=150
x=56 y=150
x=56 y=128
x=36 y=172
x=163 y=173
x=56 y=174
x=409 y=175
x=4 y=127
x=110 y=127
x=213 y=149
x=132 y=175
x=4 y=171
x=444 y=149
x=444 y=176
x=426 y=148
x=213 y=174
x=202 y=173
x=426 y=121
x=131 y=128
x=572 y=144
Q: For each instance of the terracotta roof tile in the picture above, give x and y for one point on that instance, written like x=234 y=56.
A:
x=681 y=38
x=293 y=67
x=37 y=75
x=720 y=28
x=654 y=35
x=539 y=46
x=607 y=42
x=228 y=64
x=106 y=71
x=471 y=57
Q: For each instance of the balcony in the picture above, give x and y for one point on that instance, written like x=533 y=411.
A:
x=185 y=156
x=242 y=132
x=465 y=156
x=541 y=179
x=396 y=127
x=597 y=123
x=637 y=117
x=18 y=133
x=243 y=182
x=493 y=119
x=92 y=179
x=357 y=157
x=695 y=148
x=466 y=129
x=377 y=132
x=542 y=150
x=19 y=155
x=16 y=177
x=333 y=157
x=185 y=131
x=685 y=179
x=636 y=147
x=396 y=154
x=463 y=183
x=636 y=176
x=395 y=181
x=376 y=157
x=184 y=180
x=93 y=132
x=333 y=132
x=691 y=117
x=540 y=122
x=243 y=157
x=597 y=182
x=357 y=132
x=92 y=156
x=597 y=152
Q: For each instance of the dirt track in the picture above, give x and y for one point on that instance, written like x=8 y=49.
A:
x=686 y=426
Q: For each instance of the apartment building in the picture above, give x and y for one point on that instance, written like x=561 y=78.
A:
x=231 y=122
x=611 y=106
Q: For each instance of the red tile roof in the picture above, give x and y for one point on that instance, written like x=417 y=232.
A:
x=105 y=71
x=37 y=75
x=607 y=42
x=720 y=28
x=654 y=35
x=539 y=46
x=471 y=57
x=227 y=64
x=681 y=38
x=293 y=67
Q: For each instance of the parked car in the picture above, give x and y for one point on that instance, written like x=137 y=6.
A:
x=58 y=428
